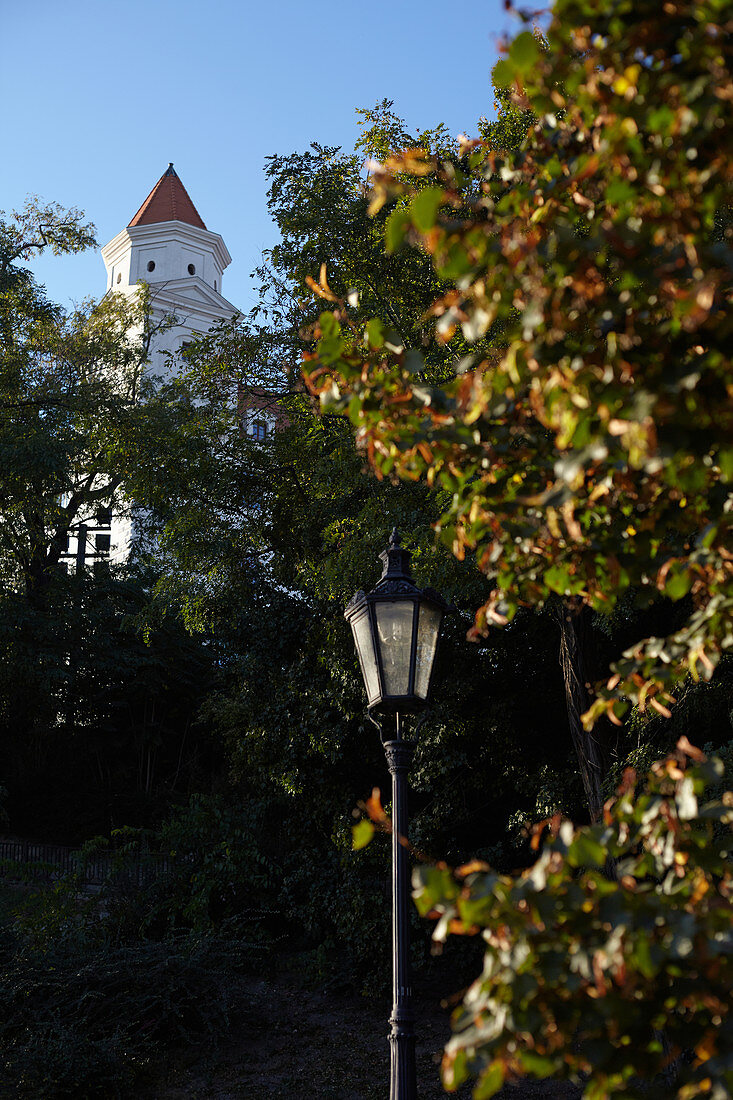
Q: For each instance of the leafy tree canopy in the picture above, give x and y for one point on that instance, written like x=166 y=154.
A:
x=588 y=449
x=604 y=982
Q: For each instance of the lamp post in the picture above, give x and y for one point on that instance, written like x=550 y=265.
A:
x=396 y=629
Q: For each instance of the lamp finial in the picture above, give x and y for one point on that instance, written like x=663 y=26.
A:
x=395 y=559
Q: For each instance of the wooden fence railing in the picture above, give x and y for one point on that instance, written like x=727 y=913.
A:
x=43 y=862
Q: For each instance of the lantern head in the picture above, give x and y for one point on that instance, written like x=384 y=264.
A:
x=396 y=629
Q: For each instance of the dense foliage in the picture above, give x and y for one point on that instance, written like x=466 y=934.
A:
x=547 y=408
x=621 y=984
x=207 y=694
x=83 y=1019
x=586 y=447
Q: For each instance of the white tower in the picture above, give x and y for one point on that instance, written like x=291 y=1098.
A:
x=168 y=246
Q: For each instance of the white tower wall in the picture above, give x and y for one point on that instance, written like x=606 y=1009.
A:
x=167 y=246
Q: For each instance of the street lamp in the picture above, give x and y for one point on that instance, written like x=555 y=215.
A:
x=396 y=629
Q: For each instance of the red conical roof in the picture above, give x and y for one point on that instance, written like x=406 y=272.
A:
x=168 y=202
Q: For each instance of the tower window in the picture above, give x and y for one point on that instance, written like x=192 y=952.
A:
x=101 y=544
x=191 y=269
x=259 y=430
x=151 y=265
x=104 y=516
x=215 y=286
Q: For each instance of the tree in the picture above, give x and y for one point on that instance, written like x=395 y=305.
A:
x=319 y=201
x=97 y=715
x=585 y=455
x=81 y=425
x=608 y=983
x=289 y=707
x=70 y=396
x=589 y=453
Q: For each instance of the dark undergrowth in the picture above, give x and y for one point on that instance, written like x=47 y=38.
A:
x=83 y=1016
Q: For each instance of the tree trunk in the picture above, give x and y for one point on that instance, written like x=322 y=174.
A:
x=571 y=617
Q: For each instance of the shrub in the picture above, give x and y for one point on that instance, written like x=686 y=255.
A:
x=99 y=1024
x=610 y=961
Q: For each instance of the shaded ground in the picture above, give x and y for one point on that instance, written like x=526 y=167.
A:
x=289 y=1043
x=291 y=1040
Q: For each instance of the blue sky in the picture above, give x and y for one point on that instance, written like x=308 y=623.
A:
x=100 y=96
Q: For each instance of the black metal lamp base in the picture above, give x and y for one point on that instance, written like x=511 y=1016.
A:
x=403 y=1079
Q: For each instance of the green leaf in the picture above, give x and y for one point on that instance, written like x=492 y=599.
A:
x=502 y=74
x=425 y=206
x=558 y=579
x=329 y=324
x=455 y=1071
x=362 y=834
x=678 y=585
x=394 y=230
x=375 y=333
x=661 y=120
x=474 y=910
x=586 y=851
x=434 y=885
x=641 y=957
x=537 y=1065
x=490 y=1082
x=619 y=191
x=726 y=465
x=524 y=51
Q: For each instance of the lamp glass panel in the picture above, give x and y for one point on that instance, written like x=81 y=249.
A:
x=366 y=654
x=394 y=632
x=428 y=627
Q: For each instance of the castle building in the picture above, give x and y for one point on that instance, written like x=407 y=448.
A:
x=167 y=245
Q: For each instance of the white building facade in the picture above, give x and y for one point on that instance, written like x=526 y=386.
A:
x=168 y=246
